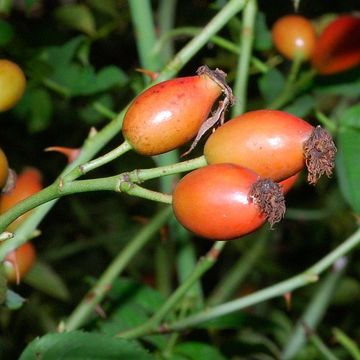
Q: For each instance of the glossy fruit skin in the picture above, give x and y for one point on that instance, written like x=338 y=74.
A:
x=4 y=169
x=27 y=183
x=213 y=203
x=338 y=46
x=12 y=84
x=292 y=34
x=169 y=114
x=269 y=142
x=25 y=257
x=288 y=184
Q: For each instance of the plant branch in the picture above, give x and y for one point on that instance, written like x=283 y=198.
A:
x=309 y=276
x=96 y=294
x=242 y=72
x=203 y=265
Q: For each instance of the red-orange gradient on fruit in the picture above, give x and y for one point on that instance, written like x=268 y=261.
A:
x=269 y=142
x=27 y=183
x=213 y=202
x=288 y=184
x=24 y=256
x=292 y=35
x=169 y=114
x=4 y=169
x=338 y=47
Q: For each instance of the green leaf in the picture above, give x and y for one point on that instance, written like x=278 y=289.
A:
x=348 y=166
x=350 y=88
x=41 y=110
x=90 y=115
x=78 y=17
x=347 y=343
x=6 y=32
x=347 y=292
x=133 y=304
x=351 y=117
x=262 y=39
x=198 y=351
x=80 y=81
x=301 y=106
x=78 y=345
x=42 y=277
x=61 y=56
x=13 y=300
x=108 y=7
x=271 y=85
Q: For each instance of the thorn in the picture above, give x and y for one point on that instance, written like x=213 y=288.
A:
x=100 y=311
x=92 y=132
x=151 y=74
x=70 y=153
x=288 y=299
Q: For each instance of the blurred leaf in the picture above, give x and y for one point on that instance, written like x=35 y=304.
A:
x=61 y=56
x=302 y=106
x=108 y=7
x=347 y=343
x=90 y=115
x=42 y=277
x=198 y=351
x=271 y=84
x=36 y=108
x=80 y=80
x=13 y=300
x=30 y=3
x=348 y=166
x=262 y=40
x=347 y=292
x=133 y=304
x=78 y=17
x=81 y=346
x=351 y=88
x=351 y=117
x=6 y=32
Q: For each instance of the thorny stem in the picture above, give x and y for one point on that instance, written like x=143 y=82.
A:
x=309 y=276
x=95 y=295
x=96 y=142
x=204 y=264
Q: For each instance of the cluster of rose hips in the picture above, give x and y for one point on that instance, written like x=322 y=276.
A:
x=252 y=159
x=335 y=49
x=15 y=188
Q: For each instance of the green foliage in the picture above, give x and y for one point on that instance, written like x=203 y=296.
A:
x=82 y=345
x=79 y=60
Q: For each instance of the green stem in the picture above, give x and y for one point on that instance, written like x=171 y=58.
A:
x=204 y=264
x=102 y=286
x=291 y=91
x=102 y=160
x=167 y=11
x=305 y=278
x=104 y=110
x=313 y=314
x=141 y=16
x=323 y=350
x=242 y=72
x=239 y=271
x=194 y=45
x=217 y=40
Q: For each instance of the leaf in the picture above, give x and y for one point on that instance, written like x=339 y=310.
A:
x=133 y=305
x=80 y=81
x=13 y=300
x=42 y=277
x=198 y=351
x=108 y=7
x=351 y=117
x=271 y=84
x=79 y=345
x=40 y=111
x=90 y=115
x=262 y=39
x=347 y=343
x=6 y=32
x=348 y=166
x=301 y=106
x=78 y=17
